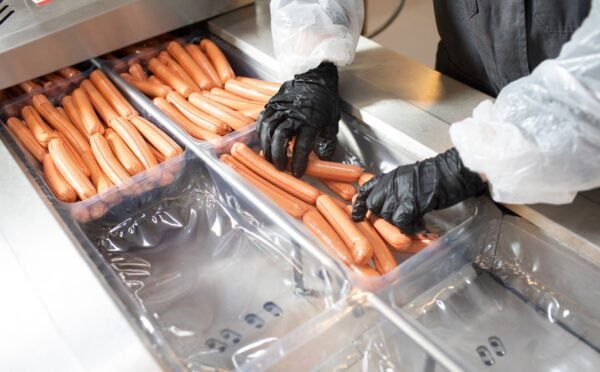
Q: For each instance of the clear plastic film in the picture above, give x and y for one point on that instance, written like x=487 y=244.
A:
x=540 y=141
x=308 y=32
x=505 y=295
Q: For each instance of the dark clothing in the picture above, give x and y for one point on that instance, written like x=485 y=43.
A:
x=489 y=43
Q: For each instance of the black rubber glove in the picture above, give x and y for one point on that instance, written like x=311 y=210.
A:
x=404 y=195
x=308 y=108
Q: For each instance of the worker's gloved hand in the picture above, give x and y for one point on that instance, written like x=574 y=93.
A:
x=405 y=194
x=308 y=108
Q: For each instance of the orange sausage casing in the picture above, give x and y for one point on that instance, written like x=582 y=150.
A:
x=266 y=87
x=24 y=135
x=59 y=187
x=326 y=235
x=100 y=104
x=252 y=113
x=156 y=137
x=137 y=72
x=119 y=148
x=67 y=167
x=107 y=160
x=88 y=116
x=112 y=94
x=246 y=91
x=172 y=65
x=233 y=104
x=73 y=114
x=196 y=115
x=366 y=177
x=218 y=59
x=41 y=131
x=169 y=77
x=359 y=245
x=224 y=93
x=75 y=156
x=342 y=189
x=149 y=88
x=202 y=60
x=329 y=170
x=189 y=65
x=29 y=86
x=134 y=141
x=69 y=72
x=232 y=118
x=390 y=233
x=194 y=130
x=293 y=206
x=266 y=170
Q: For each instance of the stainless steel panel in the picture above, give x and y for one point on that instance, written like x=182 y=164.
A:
x=38 y=39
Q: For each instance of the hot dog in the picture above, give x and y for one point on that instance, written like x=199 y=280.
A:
x=223 y=93
x=333 y=171
x=100 y=104
x=19 y=130
x=390 y=233
x=156 y=137
x=134 y=141
x=119 y=148
x=246 y=91
x=73 y=114
x=233 y=104
x=189 y=65
x=364 y=178
x=42 y=132
x=252 y=113
x=137 y=72
x=29 y=86
x=266 y=87
x=149 y=88
x=112 y=94
x=89 y=119
x=59 y=187
x=159 y=157
x=357 y=243
x=232 y=118
x=266 y=170
x=344 y=190
x=54 y=78
x=170 y=78
x=60 y=123
x=75 y=156
x=155 y=80
x=218 y=60
x=202 y=60
x=326 y=235
x=171 y=64
x=183 y=122
x=69 y=72
x=196 y=115
x=109 y=164
x=67 y=167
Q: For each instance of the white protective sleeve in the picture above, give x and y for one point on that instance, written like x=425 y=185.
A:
x=540 y=141
x=308 y=32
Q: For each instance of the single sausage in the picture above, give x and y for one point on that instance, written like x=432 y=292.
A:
x=246 y=91
x=289 y=203
x=104 y=184
x=384 y=261
x=156 y=137
x=183 y=122
x=223 y=93
x=54 y=78
x=326 y=235
x=266 y=170
x=171 y=64
x=252 y=113
x=196 y=115
x=342 y=189
x=73 y=114
x=189 y=65
x=333 y=171
x=109 y=164
x=60 y=123
x=134 y=141
x=137 y=71
x=202 y=60
x=262 y=86
x=170 y=78
x=19 y=130
x=390 y=233
x=69 y=72
x=75 y=155
x=155 y=80
x=67 y=167
x=41 y=131
x=232 y=118
x=218 y=59
x=233 y=104
x=92 y=164
x=364 y=178
x=149 y=88
x=29 y=86
x=112 y=94
x=119 y=148
x=357 y=243
x=57 y=184
x=159 y=157
x=89 y=119
x=100 y=104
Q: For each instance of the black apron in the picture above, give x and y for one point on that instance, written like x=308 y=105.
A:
x=489 y=43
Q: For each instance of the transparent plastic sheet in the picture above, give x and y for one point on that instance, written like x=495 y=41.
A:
x=220 y=281
x=505 y=295
x=361 y=145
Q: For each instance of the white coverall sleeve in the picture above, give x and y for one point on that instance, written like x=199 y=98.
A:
x=540 y=141
x=308 y=32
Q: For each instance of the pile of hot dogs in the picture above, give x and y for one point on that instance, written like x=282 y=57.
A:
x=196 y=87
x=95 y=141
x=364 y=246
